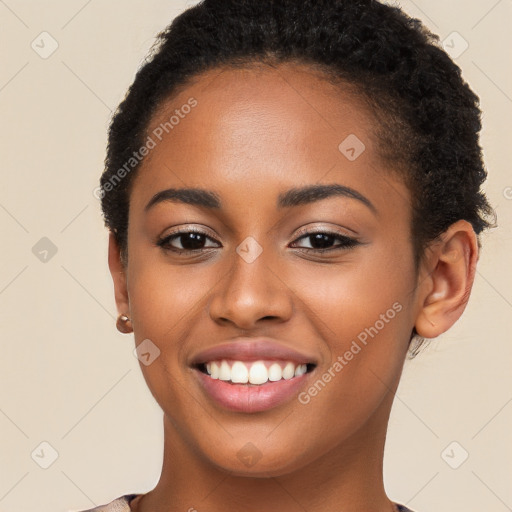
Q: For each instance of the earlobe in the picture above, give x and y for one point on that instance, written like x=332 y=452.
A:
x=453 y=262
x=117 y=271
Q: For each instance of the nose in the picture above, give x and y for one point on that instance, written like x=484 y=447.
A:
x=251 y=292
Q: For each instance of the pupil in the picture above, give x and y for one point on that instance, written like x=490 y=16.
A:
x=193 y=240
x=322 y=240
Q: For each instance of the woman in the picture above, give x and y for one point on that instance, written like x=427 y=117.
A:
x=292 y=190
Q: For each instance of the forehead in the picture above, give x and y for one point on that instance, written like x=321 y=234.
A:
x=256 y=130
x=244 y=111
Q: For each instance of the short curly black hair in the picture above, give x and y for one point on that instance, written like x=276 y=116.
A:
x=428 y=117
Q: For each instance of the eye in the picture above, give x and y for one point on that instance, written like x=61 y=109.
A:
x=191 y=241
x=321 y=241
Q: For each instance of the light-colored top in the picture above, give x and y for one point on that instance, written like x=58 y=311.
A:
x=122 y=504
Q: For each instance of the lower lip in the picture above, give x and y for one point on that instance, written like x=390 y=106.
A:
x=251 y=398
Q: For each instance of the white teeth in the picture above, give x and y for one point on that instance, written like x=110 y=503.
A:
x=300 y=370
x=224 y=371
x=288 y=371
x=214 y=371
x=257 y=374
x=239 y=373
x=275 y=372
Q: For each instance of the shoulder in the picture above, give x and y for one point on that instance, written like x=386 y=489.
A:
x=403 y=508
x=121 y=504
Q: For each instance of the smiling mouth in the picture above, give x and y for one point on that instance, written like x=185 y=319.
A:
x=253 y=373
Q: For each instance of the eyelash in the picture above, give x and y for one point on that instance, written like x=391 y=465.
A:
x=346 y=242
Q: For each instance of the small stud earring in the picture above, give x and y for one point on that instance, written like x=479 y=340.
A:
x=123 y=324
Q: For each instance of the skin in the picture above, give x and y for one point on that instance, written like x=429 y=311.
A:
x=254 y=134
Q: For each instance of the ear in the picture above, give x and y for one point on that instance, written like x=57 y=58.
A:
x=445 y=290
x=118 y=272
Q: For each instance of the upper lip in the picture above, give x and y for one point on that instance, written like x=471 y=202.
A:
x=252 y=349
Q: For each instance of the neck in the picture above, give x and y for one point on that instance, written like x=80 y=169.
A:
x=347 y=478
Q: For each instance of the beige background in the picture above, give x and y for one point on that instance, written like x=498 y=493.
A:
x=71 y=380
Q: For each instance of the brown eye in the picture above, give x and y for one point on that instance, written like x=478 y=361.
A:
x=323 y=241
x=186 y=241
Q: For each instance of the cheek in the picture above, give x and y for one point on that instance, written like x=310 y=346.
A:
x=162 y=296
x=163 y=305
x=364 y=312
x=363 y=293
x=366 y=327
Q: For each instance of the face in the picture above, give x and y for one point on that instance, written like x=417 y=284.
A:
x=264 y=255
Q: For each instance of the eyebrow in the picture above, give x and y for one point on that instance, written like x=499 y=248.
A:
x=292 y=197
